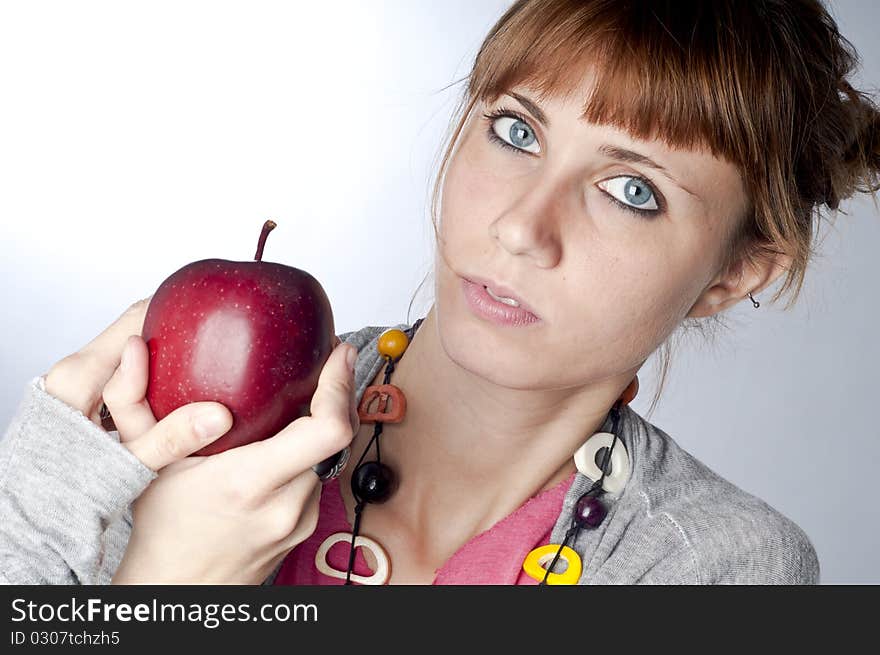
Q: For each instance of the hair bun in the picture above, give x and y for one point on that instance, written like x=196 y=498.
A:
x=858 y=168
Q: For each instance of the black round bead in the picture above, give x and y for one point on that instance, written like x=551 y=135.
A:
x=373 y=482
x=589 y=511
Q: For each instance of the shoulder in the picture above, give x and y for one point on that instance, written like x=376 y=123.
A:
x=360 y=337
x=730 y=535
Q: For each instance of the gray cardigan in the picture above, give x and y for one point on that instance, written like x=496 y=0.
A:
x=66 y=488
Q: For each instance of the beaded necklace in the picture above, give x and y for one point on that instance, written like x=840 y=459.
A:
x=374 y=482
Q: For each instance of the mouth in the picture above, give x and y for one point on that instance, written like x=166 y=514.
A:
x=497 y=301
x=501 y=293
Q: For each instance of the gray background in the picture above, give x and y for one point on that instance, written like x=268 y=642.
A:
x=135 y=139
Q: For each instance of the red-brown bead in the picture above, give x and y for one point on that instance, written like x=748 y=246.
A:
x=385 y=393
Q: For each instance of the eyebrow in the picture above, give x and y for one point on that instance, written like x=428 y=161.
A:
x=622 y=154
x=614 y=152
x=534 y=109
x=633 y=157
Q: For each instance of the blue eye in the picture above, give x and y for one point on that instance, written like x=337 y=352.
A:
x=632 y=193
x=506 y=124
x=637 y=195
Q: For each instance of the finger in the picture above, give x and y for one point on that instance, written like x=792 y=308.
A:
x=181 y=433
x=335 y=385
x=106 y=349
x=309 y=439
x=125 y=393
x=79 y=379
x=353 y=417
x=308 y=519
x=293 y=509
x=306 y=525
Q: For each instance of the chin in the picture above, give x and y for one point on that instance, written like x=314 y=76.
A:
x=484 y=354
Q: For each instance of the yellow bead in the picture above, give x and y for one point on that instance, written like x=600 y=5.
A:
x=392 y=343
x=537 y=558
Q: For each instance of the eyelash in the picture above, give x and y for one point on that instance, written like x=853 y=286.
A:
x=502 y=112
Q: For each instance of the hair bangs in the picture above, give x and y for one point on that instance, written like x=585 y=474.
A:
x=646 y=82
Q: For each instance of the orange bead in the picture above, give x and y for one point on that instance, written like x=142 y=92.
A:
x=630 y=392
x=392 y=343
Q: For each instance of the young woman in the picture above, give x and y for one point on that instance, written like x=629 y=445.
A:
x=616 y=170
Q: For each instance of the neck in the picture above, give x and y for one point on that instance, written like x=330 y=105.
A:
x=469 y=452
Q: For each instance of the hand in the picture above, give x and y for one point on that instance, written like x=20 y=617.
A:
x=230 y=517
x=94 y=376
x=233 y=516
x=79 y=379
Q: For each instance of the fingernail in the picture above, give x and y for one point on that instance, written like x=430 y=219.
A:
x=210 y=425
x=351 y=357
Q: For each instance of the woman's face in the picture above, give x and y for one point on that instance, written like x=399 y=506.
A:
x=610 y=254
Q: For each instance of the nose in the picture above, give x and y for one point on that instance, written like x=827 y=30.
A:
x=531 y=225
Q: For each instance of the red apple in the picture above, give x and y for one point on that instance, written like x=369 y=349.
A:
x=251 y=335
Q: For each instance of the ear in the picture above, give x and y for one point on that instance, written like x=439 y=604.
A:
x=749 y=274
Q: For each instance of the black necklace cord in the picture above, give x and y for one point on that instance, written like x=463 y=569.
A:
x=354 y=533
x=360 y=502
x=377 y=431
x=377 y=428
x=595 y=488
x=389 y=368
x=615 y=420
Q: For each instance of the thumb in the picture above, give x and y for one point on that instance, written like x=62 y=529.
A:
x=181 y=433
x=333 y=396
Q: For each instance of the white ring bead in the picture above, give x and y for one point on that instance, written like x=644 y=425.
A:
x=585 y=460
x=383 y=566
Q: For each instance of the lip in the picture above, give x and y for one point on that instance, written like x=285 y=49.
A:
x=482 y=304
x=501 y=290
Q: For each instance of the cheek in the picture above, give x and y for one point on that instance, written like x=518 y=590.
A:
x=632 y=298
x=690 y=274
x=474 y=188
x=614 y=321
x=459 y=220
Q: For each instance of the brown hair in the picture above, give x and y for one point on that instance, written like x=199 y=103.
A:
x=761 y=84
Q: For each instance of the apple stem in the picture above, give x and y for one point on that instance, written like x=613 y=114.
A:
x=268 y=226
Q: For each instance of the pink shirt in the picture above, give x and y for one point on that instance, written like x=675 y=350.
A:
x=494 y=556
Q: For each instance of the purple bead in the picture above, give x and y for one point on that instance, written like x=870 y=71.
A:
x=589 y=512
